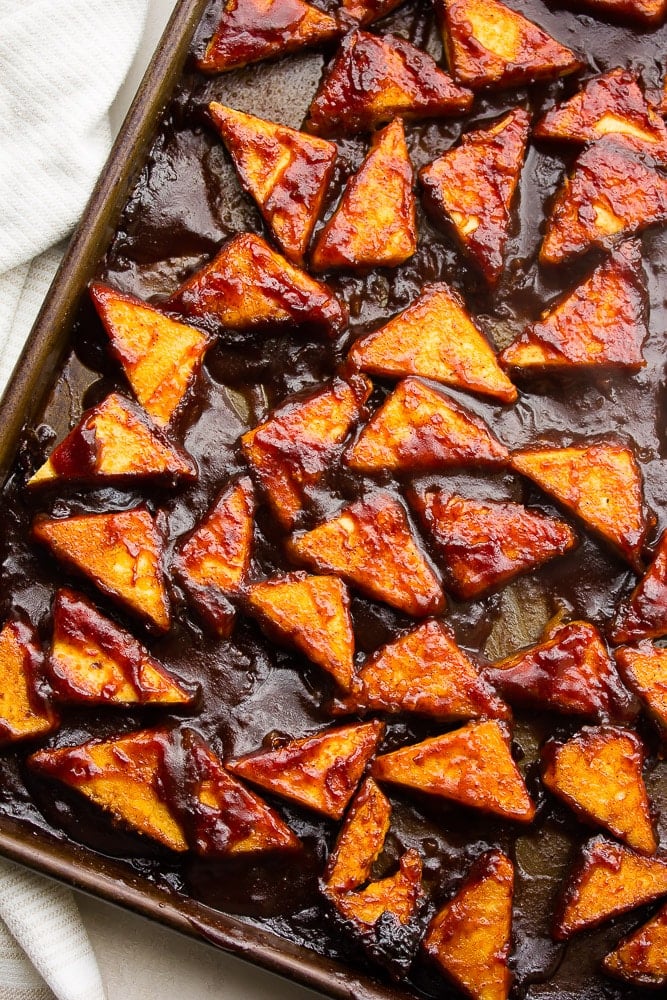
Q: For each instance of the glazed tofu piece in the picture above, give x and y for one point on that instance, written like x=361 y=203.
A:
x=285 y=171
x=290 y=451
x=483 y=544
x=641 y=958
x=319 y=772
x=472 y=186
x=644 y=615
x=424 y=672
x=472 y=766
x=115 y=440
x=569 y=672
x=417 y=429
x=642 y=12
x=213 y=561
x=367 y=11
x=644 y=670
x=360 y=840
x=370 y=545
x=609 y=879
x=124 y=777
x=373 y=78
x=600 y=324
x=94 y=661
x=248 y=285
x=469 y=938
x=312 y=615
x=600 y=483
x=122 y=553
x=252 y=30
x=436 y=338
x=160 y=357
x=374 y=224
x=25 y=713
x=598 y=774
x=490 y=45
x=613 y=103
x=614 y=191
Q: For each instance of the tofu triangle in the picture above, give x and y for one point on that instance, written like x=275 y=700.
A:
x=360 y=841
x=472 y=187
x=642 y=12
x=644 y=670
x=644 y=615
x=641 y=957
x=24 y=711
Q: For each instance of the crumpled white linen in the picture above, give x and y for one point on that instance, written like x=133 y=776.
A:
x=61 y=65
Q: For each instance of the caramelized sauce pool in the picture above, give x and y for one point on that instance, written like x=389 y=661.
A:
x=185 y=202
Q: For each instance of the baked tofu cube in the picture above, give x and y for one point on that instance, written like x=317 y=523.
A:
x=641 y=958
x=600 y=483
x=124 y=777
x=159 y=356
x=644 y=615
x=213 y=561
x=598 y=774
x=290 y=451
x=115 y=440
x=424 y=672
x=490 y=45
x=609 y=879
x=418 y=429
x=319 y=772
x=614 y=191
x=644 y=670
x=360 y=840
x=642 y=12
x=252 y=30
x=469 y=939
x=285 y=171
x=371 y=546
x=249 y=285
x=367 y=11
x=94 y=661
x=471 y=766
x=373 y=78
x=483 y=544
x=472 y=186
x=121 y=553
x=374 y=224
x=601 y=324
x=570 y=672
x=613 y=103
x=25 y=713
x=312 y=615
x=436 y=338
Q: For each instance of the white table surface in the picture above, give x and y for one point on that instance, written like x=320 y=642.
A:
x=138 y=959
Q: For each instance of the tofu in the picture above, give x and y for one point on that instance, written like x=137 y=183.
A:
x=250 y=31
x=419 y=429
x=371 y=546
x=25 y=712
x=644 y=614
x=290 y=452
x=312 y=615
x=614 y=191
x=367 y=11
x=598 y=774
x=115 y=441
x=249 y=285
x=600 y=483
x=213 y=561
x=469 y=938
x=644 y=670
x=488 y=45
x=94 y=661
x=124 y=777
x=608 y=879
x=570 y=672
x=641 y=958
x=642 y=12
x=471 y=766
x=374 y=78
x=484 y=544
x=472 y=186
x=287 y=173
x=121 y=553
x=319 y=772
x=360 y=841
x=375 y=222
x=159 y=356
x=426 y=673
x=435 y=338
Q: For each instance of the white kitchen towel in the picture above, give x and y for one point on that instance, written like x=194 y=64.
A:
x=61 y=65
